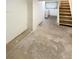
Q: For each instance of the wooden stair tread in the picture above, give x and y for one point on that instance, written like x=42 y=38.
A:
x=65 y=7
x=65 y=16
x=65 y=2
x=65 y=20
x=65 y=24
x=64 y=12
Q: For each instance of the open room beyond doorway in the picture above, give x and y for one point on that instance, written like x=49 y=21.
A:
x=51 y=10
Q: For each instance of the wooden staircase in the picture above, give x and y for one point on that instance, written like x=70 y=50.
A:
x=65 y=13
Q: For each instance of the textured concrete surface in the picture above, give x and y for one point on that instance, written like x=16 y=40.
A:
x=49 y=41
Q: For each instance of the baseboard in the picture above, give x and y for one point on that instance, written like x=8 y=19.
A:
x=15 y=41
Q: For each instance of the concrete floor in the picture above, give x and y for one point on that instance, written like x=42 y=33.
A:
x=49 y=41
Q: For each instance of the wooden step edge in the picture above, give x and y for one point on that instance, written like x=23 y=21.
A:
x=70 y=25
x=65 y=16
x=65 y=20
x=67 y=13
x=64 y=2
x=65 y=7
x=62 y=10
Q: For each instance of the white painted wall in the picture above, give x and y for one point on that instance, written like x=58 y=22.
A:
x=38 y=12
x=41 y=11
x=16 y=15
x=30 y=14
x=70 y=2
x=23 y=14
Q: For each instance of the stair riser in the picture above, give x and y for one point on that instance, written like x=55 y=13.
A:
x=66 y=22
x=66 y=25
x=65 y=14
x=66 y=18
x=64 y=3
x=64 y=8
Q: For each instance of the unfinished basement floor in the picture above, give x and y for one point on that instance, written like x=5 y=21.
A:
x=49 y=41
